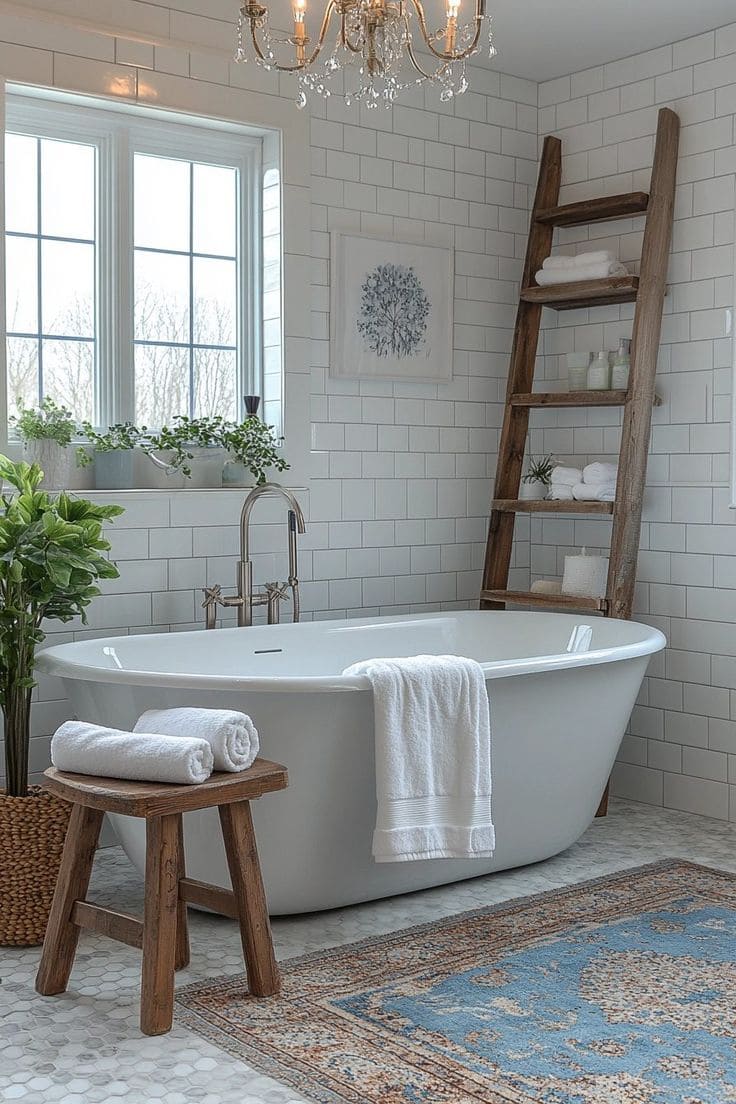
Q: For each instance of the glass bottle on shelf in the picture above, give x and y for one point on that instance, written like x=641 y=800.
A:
x=599 y=373
x=621 y=366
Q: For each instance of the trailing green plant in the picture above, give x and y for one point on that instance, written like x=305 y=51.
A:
x=47 y=422
x=119 y=437
x=255 y=445
x=185 y=434
x=52 y=554
x=539 y=469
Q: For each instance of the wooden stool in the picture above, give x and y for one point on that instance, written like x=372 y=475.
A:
x=162 y=934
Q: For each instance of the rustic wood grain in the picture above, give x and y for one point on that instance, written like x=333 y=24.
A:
x=569 y=398
x=644 y=350
x=550 y=506
x=159 y=924
x=545 y=601
x=601 y=209
x=245 y=874
x=583 y=293
x=120 y=926
x=148 y=799
x=62 y=934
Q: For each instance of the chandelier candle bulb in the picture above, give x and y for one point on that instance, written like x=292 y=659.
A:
x=300 y=31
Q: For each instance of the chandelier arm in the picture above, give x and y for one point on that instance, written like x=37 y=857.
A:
x=297 y=68
x=415 y=62
x=450 y=55
x=345 y=38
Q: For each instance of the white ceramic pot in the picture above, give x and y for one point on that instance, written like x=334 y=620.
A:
x=533 y=491
x=160 y=474
x=54 y=460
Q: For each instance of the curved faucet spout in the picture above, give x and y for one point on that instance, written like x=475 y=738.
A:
x=269 y=489
x=296 y=525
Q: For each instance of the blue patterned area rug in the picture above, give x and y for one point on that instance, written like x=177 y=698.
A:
x=617 y=991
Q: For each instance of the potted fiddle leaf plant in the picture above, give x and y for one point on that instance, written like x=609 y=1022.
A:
x=47 y=432
x=113 y=454
x=52 y=555
x=254 y=450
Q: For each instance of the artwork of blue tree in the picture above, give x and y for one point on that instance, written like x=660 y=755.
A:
x=394 y=311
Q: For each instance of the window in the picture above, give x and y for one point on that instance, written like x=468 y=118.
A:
x=134 y=252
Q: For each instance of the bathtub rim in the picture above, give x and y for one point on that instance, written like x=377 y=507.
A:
x=55 y=659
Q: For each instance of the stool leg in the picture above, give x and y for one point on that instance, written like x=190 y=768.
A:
x=182 y=923
x=250 y=896
x=62 y=936
x=159 y=924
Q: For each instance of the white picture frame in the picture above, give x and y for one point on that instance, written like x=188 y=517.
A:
x=391 y=309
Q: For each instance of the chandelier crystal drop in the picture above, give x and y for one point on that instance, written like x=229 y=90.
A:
x=371 y=56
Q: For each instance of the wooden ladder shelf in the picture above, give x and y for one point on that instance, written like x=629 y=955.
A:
x=647 y=291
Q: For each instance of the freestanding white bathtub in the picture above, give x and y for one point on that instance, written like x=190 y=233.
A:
x=561 y=691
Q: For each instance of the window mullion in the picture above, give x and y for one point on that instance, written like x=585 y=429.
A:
x=123 y=266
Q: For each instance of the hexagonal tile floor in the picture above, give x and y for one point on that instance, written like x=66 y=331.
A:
x=85 y=1046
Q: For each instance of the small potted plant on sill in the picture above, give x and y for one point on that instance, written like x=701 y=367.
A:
x=254 y=449
x=192 y=448
x=113 y=454
x=52 y=554
x=536 y=483
x=47 y=432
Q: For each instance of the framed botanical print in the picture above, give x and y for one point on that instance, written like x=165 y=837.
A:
x=391 y=308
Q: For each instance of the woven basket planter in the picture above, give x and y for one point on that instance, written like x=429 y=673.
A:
x=32 y=831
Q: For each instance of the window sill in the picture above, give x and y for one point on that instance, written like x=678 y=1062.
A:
x=157 y=492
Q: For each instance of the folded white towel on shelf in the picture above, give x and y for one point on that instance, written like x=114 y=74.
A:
x=567 y=477
x=580 y=260
x=547 y=277
x=433 y=758
x=142 y=756
x=594 y=492
x=600 y=472
x=559 y=492
x=232 y=736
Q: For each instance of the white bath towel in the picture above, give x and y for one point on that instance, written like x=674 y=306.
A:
x=600 y=473
x=547 y=277
x=594 y=492
x=433 y=758
x=559 y=492
x=232 y=736
x=566 y=477
x=580 y=260
x=143 y=757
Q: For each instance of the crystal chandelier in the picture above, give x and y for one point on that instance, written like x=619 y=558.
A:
x=371 y=50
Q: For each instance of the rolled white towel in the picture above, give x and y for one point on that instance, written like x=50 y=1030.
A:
x=559 y=492
x=142 y=756
x=594 y=492
x=232 y=736
x=547 y=586
x=600 y=472
x=568 y=477
x=580 y=260
x=547 y=277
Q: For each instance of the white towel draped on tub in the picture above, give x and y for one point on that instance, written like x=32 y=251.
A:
x=142 y=757
x=433 y=758
x=232 y=736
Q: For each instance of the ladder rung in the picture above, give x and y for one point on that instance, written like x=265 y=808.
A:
x=584 y=293
x=602 y=209
x=570 y=398
x=548 y=601
x=550 y=506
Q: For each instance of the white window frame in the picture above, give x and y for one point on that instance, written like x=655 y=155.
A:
x=118 y=135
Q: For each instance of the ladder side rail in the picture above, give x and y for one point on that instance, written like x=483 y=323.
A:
x=645 y=347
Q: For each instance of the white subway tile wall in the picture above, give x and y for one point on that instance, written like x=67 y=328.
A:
x=683 y=732
x=397 y=502
x=400 y=480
